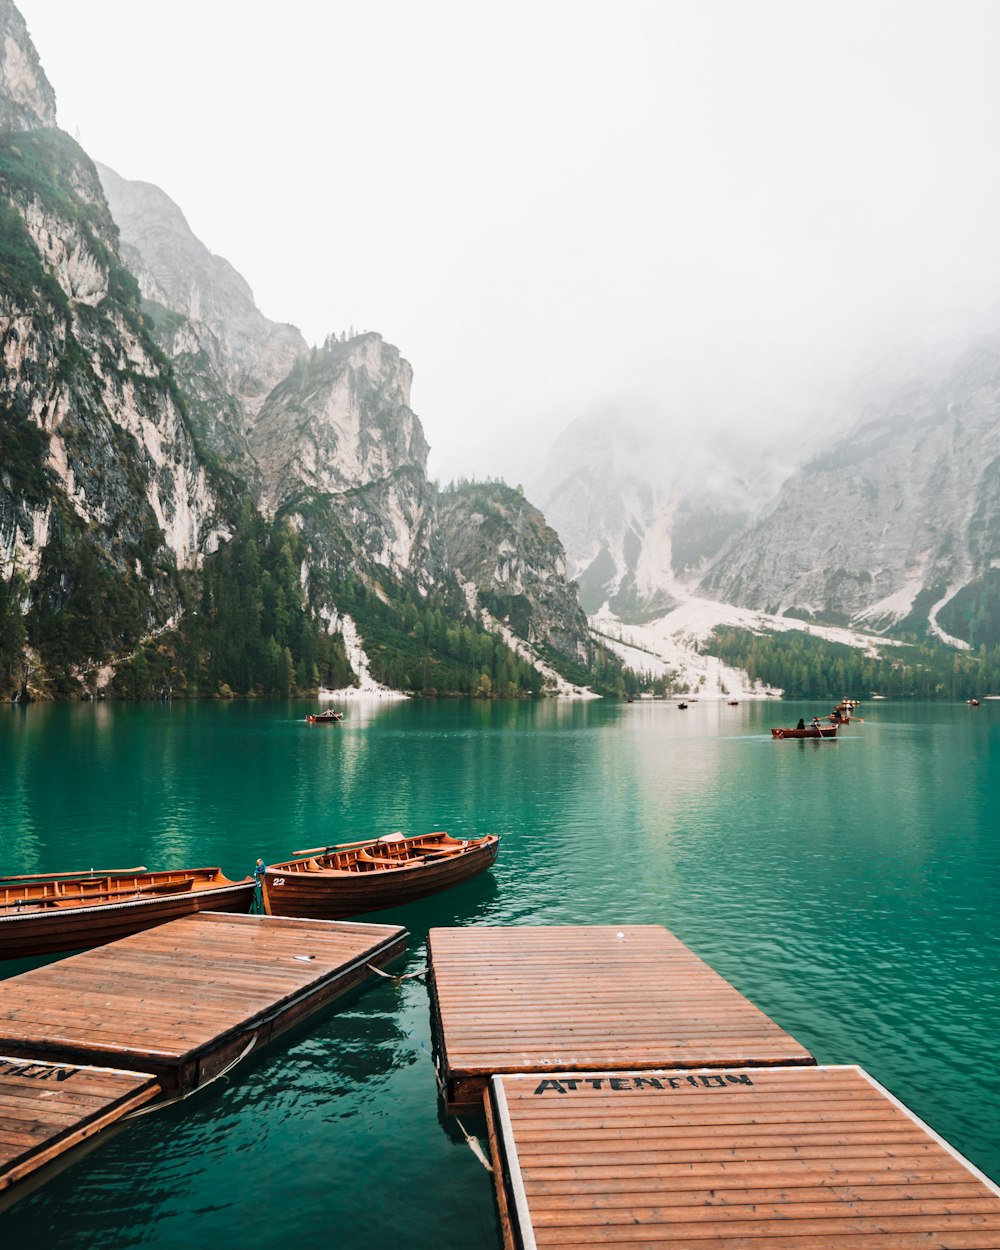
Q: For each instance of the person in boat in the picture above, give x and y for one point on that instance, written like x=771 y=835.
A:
x=801 y=724
x=815 y=723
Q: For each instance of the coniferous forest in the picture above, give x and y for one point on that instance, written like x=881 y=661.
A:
x=807 y=667
x=248 y=629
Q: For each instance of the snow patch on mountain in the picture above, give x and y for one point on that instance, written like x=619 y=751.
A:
x=367 y=687
x=670 y=644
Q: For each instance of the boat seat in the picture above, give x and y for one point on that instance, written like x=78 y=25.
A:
x=364 y=859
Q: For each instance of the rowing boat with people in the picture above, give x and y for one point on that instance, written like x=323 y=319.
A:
x=45 y=914
x=329 y=717
x=334 y=882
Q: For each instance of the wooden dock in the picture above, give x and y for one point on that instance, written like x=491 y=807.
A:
x=585 y=998
x=186 y=1000
x=49 y=1110
x=819 y=1158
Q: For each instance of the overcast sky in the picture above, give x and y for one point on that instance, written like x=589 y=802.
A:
x=708 y=209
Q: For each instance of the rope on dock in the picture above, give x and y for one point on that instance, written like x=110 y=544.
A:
x=471 y=1140
x=474 y=1145
x=397 y=980
x=169 y=1102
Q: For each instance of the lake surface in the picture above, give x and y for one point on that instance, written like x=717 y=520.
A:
x=851 y=889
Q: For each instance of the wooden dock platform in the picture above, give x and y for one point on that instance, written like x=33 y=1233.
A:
x=584 y=998
x=819 y=1158
x=49 y=1110
x=187 y=999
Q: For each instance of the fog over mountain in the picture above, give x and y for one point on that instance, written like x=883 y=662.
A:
x=709 y=215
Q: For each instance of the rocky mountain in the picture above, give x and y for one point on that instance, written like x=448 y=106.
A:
x=227 y=355
x=513 y=563
x=639 y=514
x=895 y=525
x=27 y=100
x=104 y=501
x=190 y=498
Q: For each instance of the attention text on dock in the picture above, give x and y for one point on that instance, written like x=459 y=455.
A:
x=714 y=1080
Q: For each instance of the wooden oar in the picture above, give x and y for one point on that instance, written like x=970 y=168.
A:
x=338 y=846
x=93 y=872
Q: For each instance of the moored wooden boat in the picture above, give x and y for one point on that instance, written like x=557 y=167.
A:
x=68 y=912
x=336 y=882
x=810 y=731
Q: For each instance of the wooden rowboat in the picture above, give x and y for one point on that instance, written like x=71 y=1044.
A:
x=68 y=912
x=328 y=717
x=810 y=731
x=335 y=882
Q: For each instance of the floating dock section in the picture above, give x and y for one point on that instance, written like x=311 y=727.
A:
x=585 y=998
x=186 y=1000
x=804 y=1158
x=48 y=1111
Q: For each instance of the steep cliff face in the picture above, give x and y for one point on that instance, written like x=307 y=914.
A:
x=343 y=456
x=498 y=543
x=27 y=100
x=102 y=495
x=226 y=354
x=894 y=520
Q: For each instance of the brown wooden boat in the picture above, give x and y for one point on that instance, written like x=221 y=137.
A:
x=334 y=882
x=72 y=911
x=329 y=717
x=810 y=731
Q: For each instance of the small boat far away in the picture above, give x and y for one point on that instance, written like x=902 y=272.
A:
x=335 y=882
x=329 y=717
x=42 y=915
x=810 y=731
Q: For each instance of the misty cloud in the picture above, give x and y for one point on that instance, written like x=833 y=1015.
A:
x=713 y=213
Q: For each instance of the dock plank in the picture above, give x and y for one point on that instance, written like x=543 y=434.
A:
x=730 y=1159
x=530 y=999
x=48 y=1110
x=178 y=1000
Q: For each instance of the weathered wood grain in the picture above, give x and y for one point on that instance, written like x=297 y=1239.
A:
x=584 y=997
x=175 y=999
x=798 y=1158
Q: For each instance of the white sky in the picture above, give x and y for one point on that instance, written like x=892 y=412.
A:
x=710 y=208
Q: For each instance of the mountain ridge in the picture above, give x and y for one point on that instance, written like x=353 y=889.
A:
x=191 y=500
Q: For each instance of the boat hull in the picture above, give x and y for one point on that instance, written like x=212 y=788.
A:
x=329 y=895
x=44 y=932
x=825 y=731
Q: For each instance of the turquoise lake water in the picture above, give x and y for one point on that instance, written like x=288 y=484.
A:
x=851 y=889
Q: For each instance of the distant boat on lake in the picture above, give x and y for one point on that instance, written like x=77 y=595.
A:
x=329 y=717
x=810 y=731
x=42 y=915
x=335 y=882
